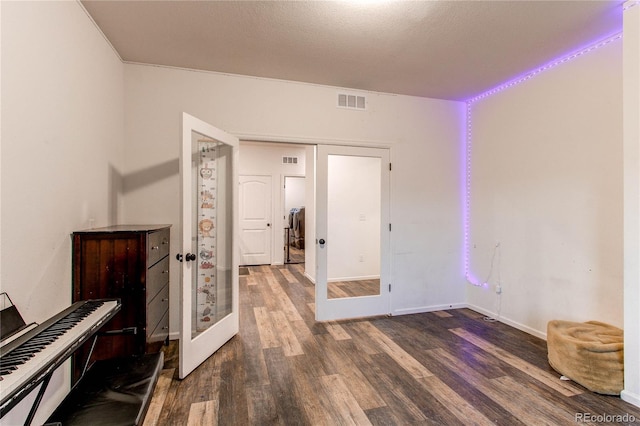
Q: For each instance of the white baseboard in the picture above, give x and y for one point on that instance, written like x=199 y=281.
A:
x=310 y=278
x=360 y=278
x=509 y=322
x=630 y=397
x=424 y=309
x=313 y=281
x=174 y=335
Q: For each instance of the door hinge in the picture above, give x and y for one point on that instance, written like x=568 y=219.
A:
x=389 y=166
x=389 y=227
x=389 y=288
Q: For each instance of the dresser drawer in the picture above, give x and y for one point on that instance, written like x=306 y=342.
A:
x=157 y=308
x=161 y=332
x=157 y=245
x=157 y=277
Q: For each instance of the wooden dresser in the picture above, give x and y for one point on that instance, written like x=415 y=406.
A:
x=130 y=262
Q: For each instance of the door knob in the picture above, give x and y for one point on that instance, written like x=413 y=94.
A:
x=179 y=257
x=321 y=241
x=190 y=256
x=268 y=224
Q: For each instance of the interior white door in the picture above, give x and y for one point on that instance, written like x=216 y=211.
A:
x=209 y=304
x=353 y=232
x=255 y=220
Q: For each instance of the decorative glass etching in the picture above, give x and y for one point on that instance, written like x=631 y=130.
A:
x=206 y=252
x=212 y=245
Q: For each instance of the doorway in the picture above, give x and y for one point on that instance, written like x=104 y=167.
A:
x=275 y=165
x=295 y=214
x=351 y=271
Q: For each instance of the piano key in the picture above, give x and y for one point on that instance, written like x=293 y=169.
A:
x=17 y=355
x=6 y=369
x=33 y=347
x=39 y=341
x=14 y=360
x=14 y=364
x=51 y=333
x=44 y=339
x=21 y=352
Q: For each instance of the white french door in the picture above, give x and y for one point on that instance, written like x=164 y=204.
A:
x=209 y=302
x=353 y=232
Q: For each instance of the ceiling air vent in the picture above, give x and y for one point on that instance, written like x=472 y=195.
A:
x=351 y=101
x=289 y=160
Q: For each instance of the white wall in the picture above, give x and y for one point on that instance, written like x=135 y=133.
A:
x=631 y=86
x=294 y=193
x=265 y=159
x=547 y=186
x=424 y=136
x=353 y=218
x=62 y=149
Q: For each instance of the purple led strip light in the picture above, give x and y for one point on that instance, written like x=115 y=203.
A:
x=467 y=152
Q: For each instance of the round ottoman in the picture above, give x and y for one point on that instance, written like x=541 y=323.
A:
x=589 y=353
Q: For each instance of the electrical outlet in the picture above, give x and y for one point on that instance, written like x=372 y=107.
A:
x=498 y=289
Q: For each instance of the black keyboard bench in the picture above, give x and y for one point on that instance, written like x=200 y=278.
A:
x=114 y=392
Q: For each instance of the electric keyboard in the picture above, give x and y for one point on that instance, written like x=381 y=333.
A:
x=31 y=359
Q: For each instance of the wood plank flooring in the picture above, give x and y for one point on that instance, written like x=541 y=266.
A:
x=296 y=255
x=440 y=368
x=339 y=289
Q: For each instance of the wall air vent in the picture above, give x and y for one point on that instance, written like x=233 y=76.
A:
x=289 y=160
x=352 y=101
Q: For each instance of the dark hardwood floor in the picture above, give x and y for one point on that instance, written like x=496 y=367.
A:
x=440 y=368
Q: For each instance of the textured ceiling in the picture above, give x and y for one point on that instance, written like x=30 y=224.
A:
x=436 y=49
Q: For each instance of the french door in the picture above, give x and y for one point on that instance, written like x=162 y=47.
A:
x=209 y=302
x=353 y=232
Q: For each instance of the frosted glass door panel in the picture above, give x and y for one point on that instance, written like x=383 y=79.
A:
x=211 y=240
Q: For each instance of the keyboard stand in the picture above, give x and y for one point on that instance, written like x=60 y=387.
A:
x=38 y=400
x=113 y=392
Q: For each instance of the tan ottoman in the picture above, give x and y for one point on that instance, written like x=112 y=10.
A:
x=589 y=353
